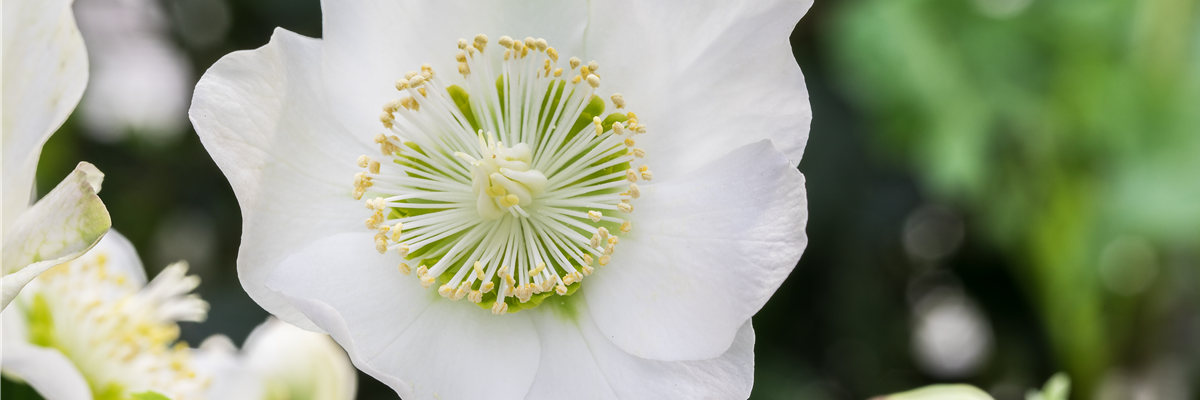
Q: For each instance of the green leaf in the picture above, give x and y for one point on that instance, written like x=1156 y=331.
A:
x=149 y=396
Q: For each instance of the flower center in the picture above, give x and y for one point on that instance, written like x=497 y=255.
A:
x=122 y=339
x=506 y=189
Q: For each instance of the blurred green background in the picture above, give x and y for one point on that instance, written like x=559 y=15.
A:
x=999 y=189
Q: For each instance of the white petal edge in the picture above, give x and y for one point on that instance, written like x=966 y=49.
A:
x=406 y=336
x=48 y=371
x=705 y=253
x=941 y=392
x=262 y=117
x=308 y=364
x=60 y=227
x=370 y=44
x=574 y=351
x=232 y=379
x=45 y=69
x=704 y=76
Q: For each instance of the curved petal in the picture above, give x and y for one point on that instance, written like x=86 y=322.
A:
x=60 y=227
x=369 y=44
x=705 y=77
x=307 y=364
x=574 y=350
x=261 y=115
x=122 y=257
x=45 y=72
x=421 y=345
x=232 y=379
x=47 y=370
x=941 y=392
x=705 y=253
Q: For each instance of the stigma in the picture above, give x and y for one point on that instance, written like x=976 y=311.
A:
x=506 y=182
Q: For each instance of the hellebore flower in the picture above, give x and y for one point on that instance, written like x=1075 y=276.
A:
x=93 y=328
x=519 y=239
x=45 y=72
x=278 y=361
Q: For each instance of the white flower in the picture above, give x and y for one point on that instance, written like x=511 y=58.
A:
x=487 y=187
x=45 y=71
x=278 y=362
x=93 y=327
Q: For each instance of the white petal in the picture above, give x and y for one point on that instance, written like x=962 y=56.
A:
x=45 y=72
x=578 y=362
x=705 y=253
x=941 y=392
x=261 y=115
x=421 y=345
x=705 y=77
x=122 y=257
x=46 y=370
x=308 y=364
x=60 y=227
x=368 y=45
x=232 y=379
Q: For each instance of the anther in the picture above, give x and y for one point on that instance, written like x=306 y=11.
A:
x=542 y=45
x=587 y=259
x=373 y=167
x=630 y=175
x=475 y=296
x=639 y=153
x=629 y=142
x=558 y=72
x=499 y=308
x=462 y=44
x=574 y=62
x=625 y=207
x=618 y=100
x=530 y=42
x=626 y=226
x=552 y=53
x=561 y=290
x=505 y=42
x=363 y=160
x=480 y=41
x=594 y=216
x=593 y=66
x=604 y=260
x=405 y=269
x=634 y=191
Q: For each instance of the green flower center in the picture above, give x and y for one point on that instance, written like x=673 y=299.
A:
x=509 y=188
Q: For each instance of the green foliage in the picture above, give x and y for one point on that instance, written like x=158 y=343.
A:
x=1061 y=126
